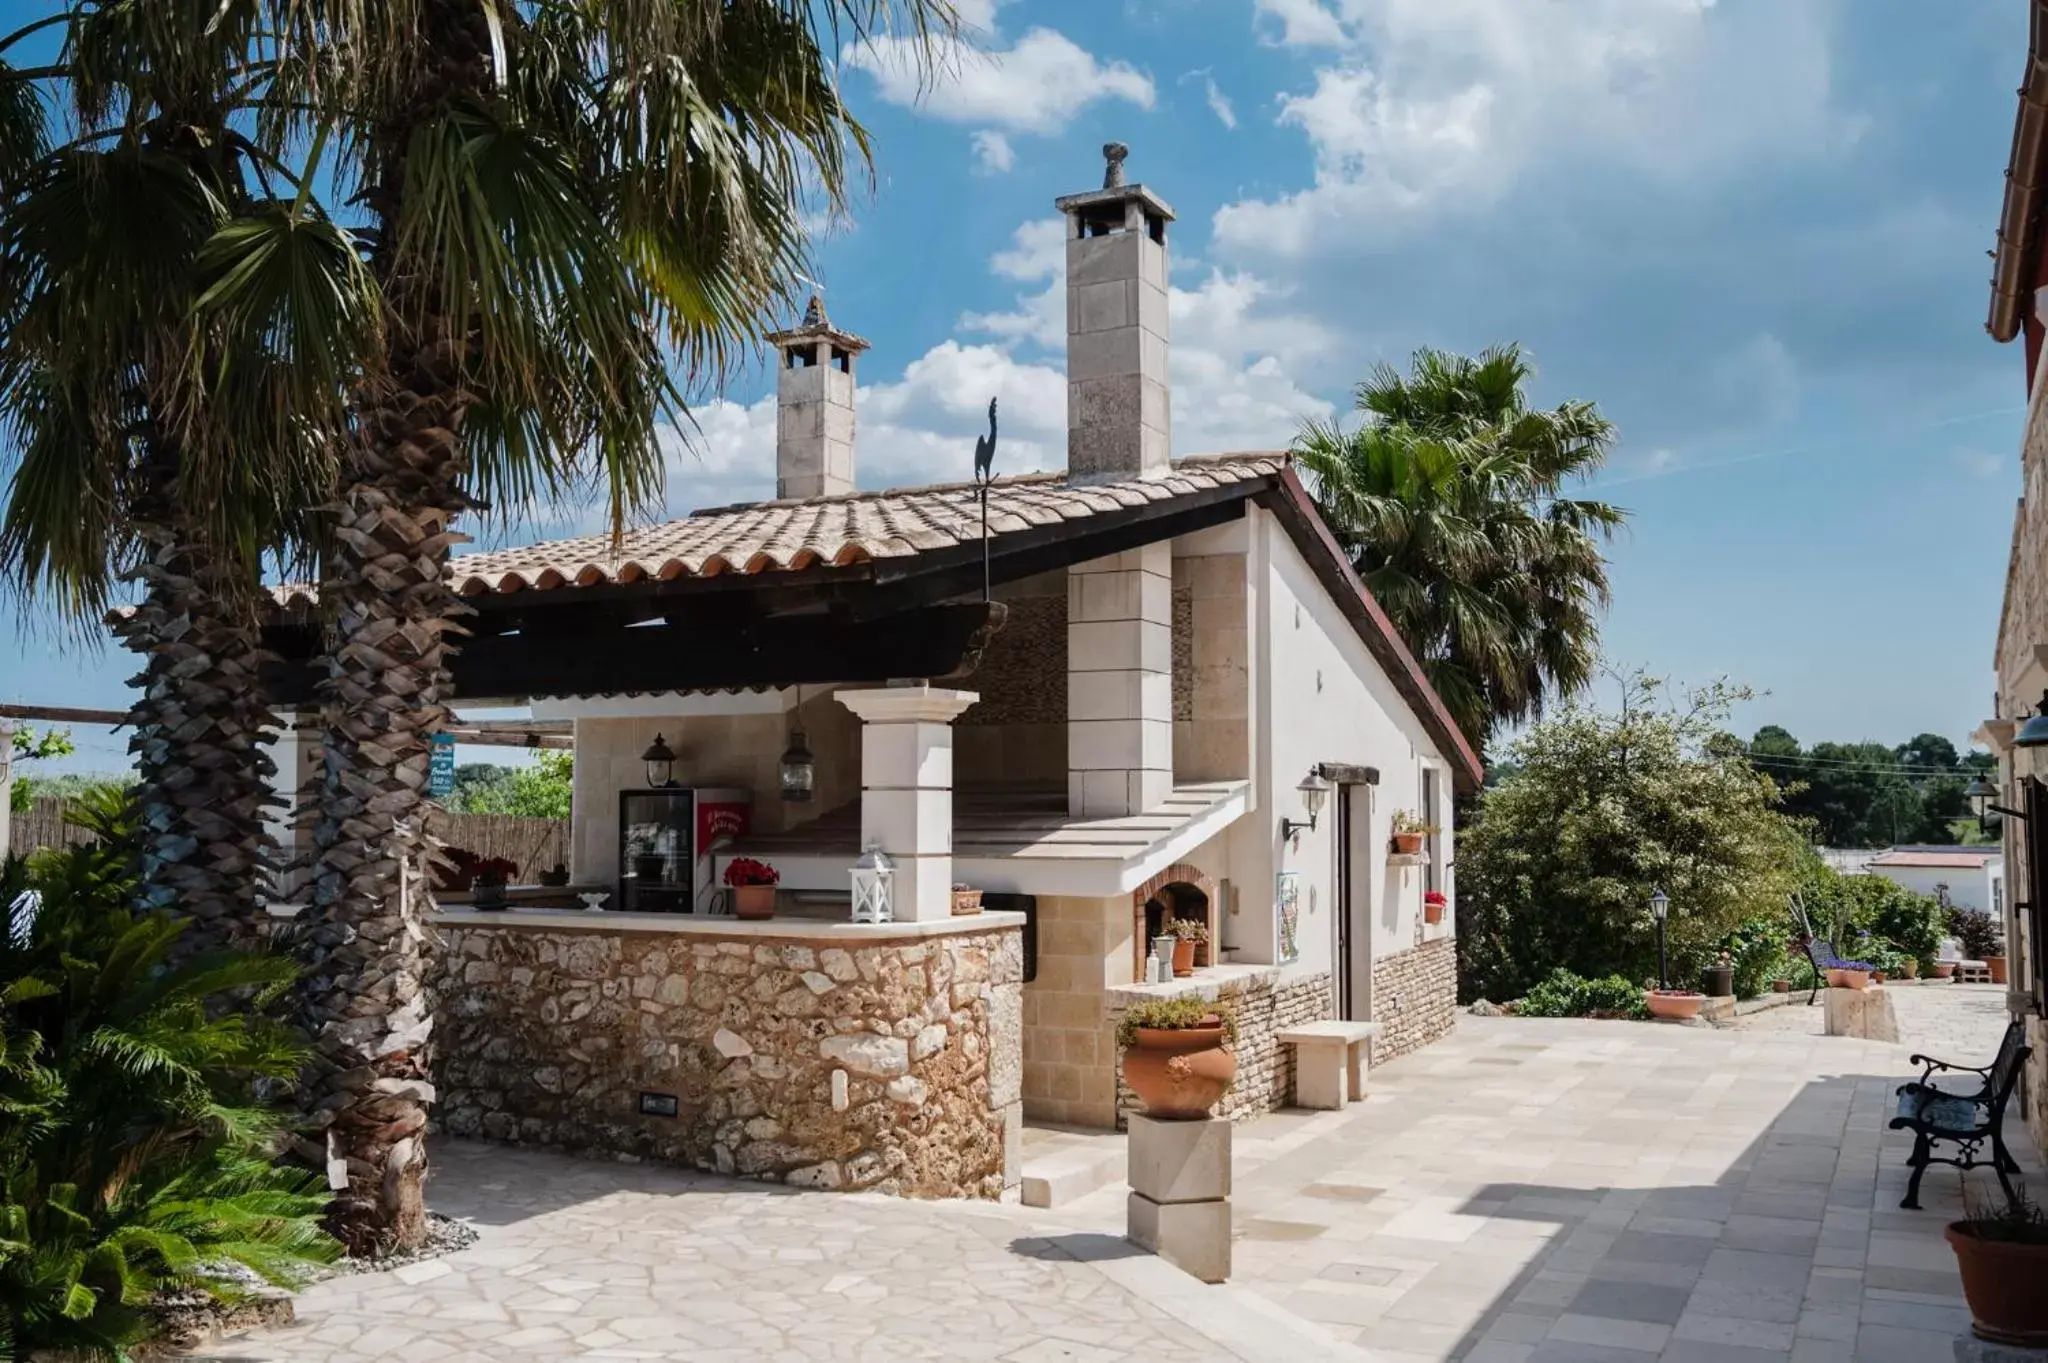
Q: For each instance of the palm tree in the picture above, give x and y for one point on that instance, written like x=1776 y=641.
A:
x=171 y=343
x=1449 y=499
x=565 y=206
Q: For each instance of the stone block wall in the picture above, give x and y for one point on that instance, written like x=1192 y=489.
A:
x=1070 y=1059
x=892 y=1066
x=1016 y=734
x=1211 y=707
x=1415 y=997
x=1265 y=1006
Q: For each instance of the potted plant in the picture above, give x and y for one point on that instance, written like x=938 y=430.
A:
x=2002 y=1253
x=1851 y=975
x=1409 y=831
x=1176 y=1056
x=1433 y=903
x=966 y=900
x=1781 y=985
x=1187 y=934
x=753 y=888
x=1944 y=970
x=1718 y=979
x=1673 y=1005
x=1978 y=934
x=492 y=875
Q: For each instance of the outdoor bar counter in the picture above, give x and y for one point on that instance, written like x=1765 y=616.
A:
x=802 y=1048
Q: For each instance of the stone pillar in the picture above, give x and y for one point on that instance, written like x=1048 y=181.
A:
x=1179 y=1207
x=300 y=758
x=6 y=788
x=814 y=418
x=906 y=789
x=1120 y=683
x=1118 y=394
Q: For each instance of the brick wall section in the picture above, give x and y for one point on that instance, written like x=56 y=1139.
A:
x=1210 y=711
x=1415 y=997
x=1070 y=1060
x=1265 y=1068
x=890 y=1066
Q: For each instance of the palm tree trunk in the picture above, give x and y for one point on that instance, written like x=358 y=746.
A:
x=392 y=610
x=200 y=727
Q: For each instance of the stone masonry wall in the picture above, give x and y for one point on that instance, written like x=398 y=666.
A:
x=1415 y=997
x=1265 y=1007
x=892 y=1066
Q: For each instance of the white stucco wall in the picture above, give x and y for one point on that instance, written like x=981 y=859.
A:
x=1971 y=889
x=1319 y=696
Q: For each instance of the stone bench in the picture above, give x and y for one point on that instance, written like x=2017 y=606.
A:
x=1329 y=1061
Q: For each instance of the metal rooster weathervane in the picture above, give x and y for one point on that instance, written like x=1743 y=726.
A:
x=984 y=475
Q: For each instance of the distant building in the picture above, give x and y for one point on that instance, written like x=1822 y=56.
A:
x=1848 y=861
x=1974 y=877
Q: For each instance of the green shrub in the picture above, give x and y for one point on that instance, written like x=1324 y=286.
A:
x=1978 y=933
x=135 y=1152
x=1178 y=1012
x=1561 y=994
x=1757 y=951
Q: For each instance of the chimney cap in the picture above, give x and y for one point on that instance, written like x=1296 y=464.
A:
x=816 y=326
x=1115 y=189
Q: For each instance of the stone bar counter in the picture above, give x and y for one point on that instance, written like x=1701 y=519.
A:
x=820 y=1053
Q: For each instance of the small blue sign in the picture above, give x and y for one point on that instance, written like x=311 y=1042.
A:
x=441 y=768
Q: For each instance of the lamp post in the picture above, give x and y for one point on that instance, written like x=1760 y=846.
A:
x=1660 y=909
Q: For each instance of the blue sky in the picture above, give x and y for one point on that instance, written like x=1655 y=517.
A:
x=1753 y=231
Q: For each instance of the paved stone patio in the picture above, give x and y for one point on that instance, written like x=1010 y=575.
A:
x=1525 y=1192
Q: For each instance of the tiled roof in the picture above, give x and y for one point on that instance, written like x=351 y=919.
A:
x=790 y=536
x=1958 y=860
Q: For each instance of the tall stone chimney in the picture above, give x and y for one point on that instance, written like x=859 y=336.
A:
x=1118 y=422
x=814 y=406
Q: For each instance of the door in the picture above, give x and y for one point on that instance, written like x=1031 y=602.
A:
x=1354 y=901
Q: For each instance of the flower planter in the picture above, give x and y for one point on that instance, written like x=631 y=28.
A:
x=1944 y=970
x=1432 y=913
x=2002 y=1282
x=1179 y=1073
x=965 y=901
x=1996 y=965
x=1781 y=986
x=1407 y=844
x=1910 y=971
x=488 y=895
x=1676 y=1005
x=1718 y=981
x=753 y=902
x=1183 y=957
x=1848 y=979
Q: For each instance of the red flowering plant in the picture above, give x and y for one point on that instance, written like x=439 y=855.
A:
x=496 y=871
x=1434 y=898
x=458 y=869
x=747 y=871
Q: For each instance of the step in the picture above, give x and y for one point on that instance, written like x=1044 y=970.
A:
x=1068 y=1170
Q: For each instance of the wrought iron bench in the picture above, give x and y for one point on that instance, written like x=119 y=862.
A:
x=1969 y=1121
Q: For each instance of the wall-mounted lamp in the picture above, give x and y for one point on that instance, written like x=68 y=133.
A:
x=1313 y=791
x=661 y=764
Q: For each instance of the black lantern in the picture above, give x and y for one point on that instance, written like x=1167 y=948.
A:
x=2034 y=733
x=1980 y=793
x=799 y=770
x=1660 y=909
x=661 y=764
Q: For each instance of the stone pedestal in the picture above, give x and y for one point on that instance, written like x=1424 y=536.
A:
x=1865 y=1013
x=1970 y=1349
x=1179 y=1206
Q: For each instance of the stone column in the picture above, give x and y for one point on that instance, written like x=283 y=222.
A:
x=1179 y=1207
x=1120 y=683
x=906 y=788
x=6 y=787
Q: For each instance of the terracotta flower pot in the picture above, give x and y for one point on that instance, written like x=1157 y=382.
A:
x=1183 y=956
x=1407 y=844
x=966 y=902
x=1781 y=986
x=1675 y=1004
x=1944 y=970
x=1432 y=913
x=753 y=902
x=1180 y=1073
x=1996 y=965
x=2002 y=1282
x=1910 y=971
x=1848 y=979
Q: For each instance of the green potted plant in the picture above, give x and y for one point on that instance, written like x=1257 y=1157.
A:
x=2002 y=1252
x=1409 y=831
x=1176 y=1055
x=1187 y=934
x=753 y=888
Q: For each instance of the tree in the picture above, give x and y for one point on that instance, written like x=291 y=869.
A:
x=172 y=340
x=1604 y=808
x=539 y=791
x=1866 y=794
x=562 y=205
x=35 y=745
x=1449 y=500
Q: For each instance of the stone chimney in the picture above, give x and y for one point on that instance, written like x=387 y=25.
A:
x=814 y=406
x=1118 y=424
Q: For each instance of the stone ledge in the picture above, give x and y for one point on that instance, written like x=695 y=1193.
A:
x=719 y=925
x=1209 y=982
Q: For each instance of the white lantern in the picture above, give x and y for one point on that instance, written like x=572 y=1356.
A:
x=872 y=876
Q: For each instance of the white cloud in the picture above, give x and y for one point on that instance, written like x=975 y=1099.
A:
x=1435 y=107
x=1978 y=463
x=1212 y=94
x=993 y=154
x=1036 y=86
x=1303 y=23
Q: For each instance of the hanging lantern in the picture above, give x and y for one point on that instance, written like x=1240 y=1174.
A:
x=661 y=764
x=799 y=770
x=873 y=875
